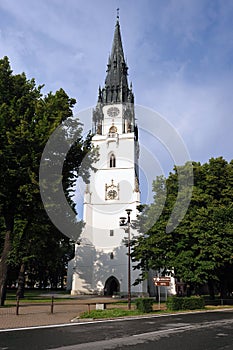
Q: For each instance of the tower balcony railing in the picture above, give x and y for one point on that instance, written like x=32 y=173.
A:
x=113 y=135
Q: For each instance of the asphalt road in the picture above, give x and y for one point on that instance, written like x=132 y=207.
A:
x=195 y=331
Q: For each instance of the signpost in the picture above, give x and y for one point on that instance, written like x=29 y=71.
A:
x=162 y=282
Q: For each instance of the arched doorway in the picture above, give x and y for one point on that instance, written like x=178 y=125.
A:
x=112 y=286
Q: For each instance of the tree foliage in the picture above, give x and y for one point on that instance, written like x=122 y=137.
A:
x=200 y=249
x=27 y=119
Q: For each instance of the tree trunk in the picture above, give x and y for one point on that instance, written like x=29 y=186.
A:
x=223 y=288
x=4 y=267
x=21 y=282
x=211 y=289
x=62 y=281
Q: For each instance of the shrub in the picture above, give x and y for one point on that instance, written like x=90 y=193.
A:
x=174 y=303
x=185 y=303
x=144 y=304
x=192 y=303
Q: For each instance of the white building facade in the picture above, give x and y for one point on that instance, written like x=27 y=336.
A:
x=100 y=264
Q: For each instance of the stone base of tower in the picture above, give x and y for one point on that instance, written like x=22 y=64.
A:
x=102 y=272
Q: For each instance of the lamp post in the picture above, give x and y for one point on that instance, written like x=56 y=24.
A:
x=127 y=223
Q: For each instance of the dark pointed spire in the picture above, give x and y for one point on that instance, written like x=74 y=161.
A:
x=117 y=47
x=116 y=83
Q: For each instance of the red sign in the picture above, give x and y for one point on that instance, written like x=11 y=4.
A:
x=162 y=281
x=162 y=284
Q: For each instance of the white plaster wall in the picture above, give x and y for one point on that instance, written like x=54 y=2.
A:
x=82 y=281
x=103 y=267
x=92 y=265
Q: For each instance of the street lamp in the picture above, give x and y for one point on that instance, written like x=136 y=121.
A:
x=126 y=223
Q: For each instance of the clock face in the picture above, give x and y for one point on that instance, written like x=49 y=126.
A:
x=112 y=194
x=113 y=112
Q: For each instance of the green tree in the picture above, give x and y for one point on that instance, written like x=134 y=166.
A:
x=27 y=119
x=200 y=249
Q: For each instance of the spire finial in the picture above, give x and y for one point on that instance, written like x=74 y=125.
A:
x=118 y=16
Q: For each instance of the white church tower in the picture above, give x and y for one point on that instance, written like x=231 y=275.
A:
x=100 y=264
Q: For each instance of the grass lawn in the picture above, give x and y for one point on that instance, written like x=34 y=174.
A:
x=109 y=313
x=33 y=295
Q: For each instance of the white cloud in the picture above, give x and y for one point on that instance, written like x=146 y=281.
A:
x=179 y=55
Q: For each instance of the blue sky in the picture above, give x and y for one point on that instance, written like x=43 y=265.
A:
x=179 y=53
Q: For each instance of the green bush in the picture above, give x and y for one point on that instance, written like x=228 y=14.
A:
x=192 y=303
x=174 y=303
x=185 y=303
x=144 y=304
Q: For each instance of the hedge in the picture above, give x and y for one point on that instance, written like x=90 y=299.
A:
x=185 y=303
x=144 y=304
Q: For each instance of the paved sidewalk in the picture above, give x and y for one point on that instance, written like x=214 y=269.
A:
x=64 y=312
x=38 y=315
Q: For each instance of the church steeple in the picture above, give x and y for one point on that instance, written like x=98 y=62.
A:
x=113 y=185
x=116 y=88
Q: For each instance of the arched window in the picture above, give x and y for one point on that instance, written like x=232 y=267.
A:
x=113 y=129
x=112 y=160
